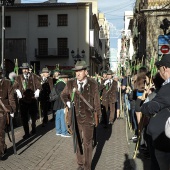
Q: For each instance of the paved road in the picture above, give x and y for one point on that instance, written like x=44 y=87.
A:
x=46 y=151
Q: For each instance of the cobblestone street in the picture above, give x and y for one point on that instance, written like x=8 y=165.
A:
x=46 y=151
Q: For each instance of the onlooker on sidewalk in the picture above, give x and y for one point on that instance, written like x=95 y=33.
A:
x=157 y=80
x=59 y=106
x=160 y=102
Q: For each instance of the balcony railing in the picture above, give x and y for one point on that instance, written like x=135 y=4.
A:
x=52 y=52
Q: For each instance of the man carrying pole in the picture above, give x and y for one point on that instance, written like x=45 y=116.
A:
x=87 y=109
x=27 y=87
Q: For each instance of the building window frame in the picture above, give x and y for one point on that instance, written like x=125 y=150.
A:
x=43 y=46
x=62 y=46
x=7 y=21
x=62 y=20
x=42 y=20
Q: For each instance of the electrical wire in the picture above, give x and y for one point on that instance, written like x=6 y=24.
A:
x=118 y=8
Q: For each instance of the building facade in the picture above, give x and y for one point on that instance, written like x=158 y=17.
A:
x=46 y=34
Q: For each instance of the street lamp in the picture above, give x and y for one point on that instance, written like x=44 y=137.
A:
x=77 y=57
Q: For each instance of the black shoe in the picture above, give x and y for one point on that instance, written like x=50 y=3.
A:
x=43 y=124
x=52 y=120
x=80 y=168
x=2 y=155
x=26 y=136
x=142 y=147
x=33 y=132
x=110 y=122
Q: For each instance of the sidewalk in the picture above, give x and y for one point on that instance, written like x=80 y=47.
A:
x=46 y=151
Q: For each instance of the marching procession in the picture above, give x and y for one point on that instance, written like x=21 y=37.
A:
x=85 y=85
x=81 y=103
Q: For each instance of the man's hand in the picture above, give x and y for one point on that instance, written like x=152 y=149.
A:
x=12 y=115
x=106 y=82
x=19 y=95
x=36 y=94
x=69 y=104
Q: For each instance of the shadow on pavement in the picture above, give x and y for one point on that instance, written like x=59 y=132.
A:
x=41 y=131
x=102 y=134
x=129 y=164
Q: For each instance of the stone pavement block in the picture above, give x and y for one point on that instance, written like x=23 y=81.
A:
x=46 y=151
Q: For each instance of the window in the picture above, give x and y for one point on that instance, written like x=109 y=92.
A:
x=42 y=20
x=7 y=21
x=62 y=46
x=42 y=46
x=62 y=20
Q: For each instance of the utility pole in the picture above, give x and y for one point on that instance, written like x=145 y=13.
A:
x=3 y=33
x=3 y=4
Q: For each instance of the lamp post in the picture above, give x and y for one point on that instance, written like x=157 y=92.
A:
x=3 y=4
x=77 y=57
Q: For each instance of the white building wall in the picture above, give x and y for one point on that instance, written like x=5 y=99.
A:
x=25 y=25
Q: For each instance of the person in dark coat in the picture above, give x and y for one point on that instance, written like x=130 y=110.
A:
x=158 y=103
x=59 y=107
x=27 y=87
x=47 y=85
x=109 y=97
x=7 y=98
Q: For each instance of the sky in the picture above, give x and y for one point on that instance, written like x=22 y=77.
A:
x=114 y=13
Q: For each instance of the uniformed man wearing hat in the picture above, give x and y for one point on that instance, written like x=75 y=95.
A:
x=109 y=97
x=7 y=99
x=85 y=117
x=27 y=86
x=47 y=85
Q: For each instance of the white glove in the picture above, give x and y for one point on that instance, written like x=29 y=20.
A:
x=69 y=104
x=167 y=128
x=12 y=115
x=19 y=95
x=106 y=82
x=36 y=94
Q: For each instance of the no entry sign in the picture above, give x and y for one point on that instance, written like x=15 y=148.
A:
x=164 y=44
x=164 y=49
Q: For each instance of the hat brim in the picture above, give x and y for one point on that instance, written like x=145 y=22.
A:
x=161 y=63
x=24 y=67
x=45 y=72
x=80 y=68
x=64 y=76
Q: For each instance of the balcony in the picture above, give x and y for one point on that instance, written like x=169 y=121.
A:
x=51 y=52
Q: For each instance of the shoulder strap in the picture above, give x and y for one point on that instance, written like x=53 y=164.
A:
x=33 y=82
x=85 y=101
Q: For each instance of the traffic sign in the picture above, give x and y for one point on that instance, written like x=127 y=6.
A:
x=164 y=44
x=164 y=49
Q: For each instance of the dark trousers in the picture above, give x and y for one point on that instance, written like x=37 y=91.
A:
x=86 y=136
x=108 y=113
x=2 y=133
x=28 y=110
x=44 y=109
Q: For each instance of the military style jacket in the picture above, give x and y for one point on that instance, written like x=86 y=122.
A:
x=46 y=87
x=7 y=95
x=109 y=95
x=90 y=93
x=27 y=87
